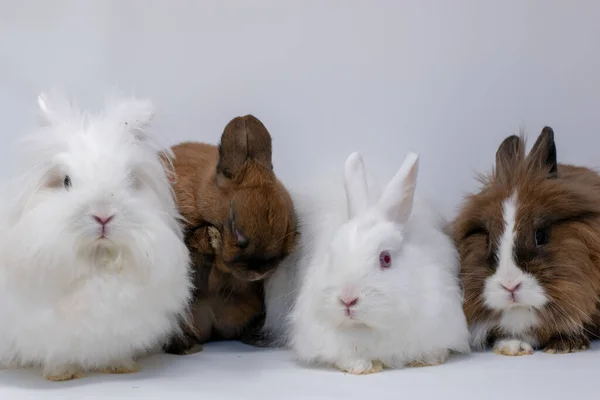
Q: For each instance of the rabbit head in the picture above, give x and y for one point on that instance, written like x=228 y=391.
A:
x=92 y=182
x=259 y=228
x=362 y=265
x=529 y=244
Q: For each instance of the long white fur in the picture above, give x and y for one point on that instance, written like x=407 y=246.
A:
x=410 y=312
x=68 y=303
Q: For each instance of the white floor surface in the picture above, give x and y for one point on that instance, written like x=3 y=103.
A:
x=230 y=370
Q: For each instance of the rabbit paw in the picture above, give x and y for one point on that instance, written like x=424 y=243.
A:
x=183 y=345
x=62 y=373
x=512 y=347
x=214 y=238
x=434 y=360
x=361 y=367
x=193 y=349
x=567 y=344
x=124 y=367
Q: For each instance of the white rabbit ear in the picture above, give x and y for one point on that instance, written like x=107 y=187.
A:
x=357 y=191
x=396 y=201
x=43 y=104
x=55 y=107
x=135 y=114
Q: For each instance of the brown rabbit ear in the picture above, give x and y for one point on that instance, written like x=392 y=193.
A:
x=244 y=138
x=508 y=156
x=543 y=153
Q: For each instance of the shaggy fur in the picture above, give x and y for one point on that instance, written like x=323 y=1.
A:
x=240 y=224
x=75 y=295
x=534 y=228
x=347 y=309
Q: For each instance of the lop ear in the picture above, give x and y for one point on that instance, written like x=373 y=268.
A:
x=135 y=114
x=396 y=201
x=543 y=153
x=243 y=139
x=355 y=182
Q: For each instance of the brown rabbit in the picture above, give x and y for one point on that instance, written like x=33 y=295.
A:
x=240 y=224
x=529 y=243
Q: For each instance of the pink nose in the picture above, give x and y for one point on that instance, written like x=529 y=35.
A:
x=103 y=221
x=349 y=303
x=513 y=289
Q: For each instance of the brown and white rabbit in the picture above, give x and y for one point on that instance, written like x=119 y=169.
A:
x=529 y=243
x=240 y=224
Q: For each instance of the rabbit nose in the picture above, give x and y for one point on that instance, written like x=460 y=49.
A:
x=349 y=302
x=513 y=289
x=103 y=221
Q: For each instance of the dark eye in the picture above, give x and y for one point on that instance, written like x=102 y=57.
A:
x=541 y=237
x=479 y=231
x=67 y=182
x=385 y=259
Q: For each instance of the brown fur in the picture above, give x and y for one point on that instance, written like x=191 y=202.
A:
x=240 y=224
x=564 y=202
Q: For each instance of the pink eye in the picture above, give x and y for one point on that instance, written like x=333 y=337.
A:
x=385 y=259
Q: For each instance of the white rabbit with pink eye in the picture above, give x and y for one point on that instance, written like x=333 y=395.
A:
x=377 y=279
x=93 y=268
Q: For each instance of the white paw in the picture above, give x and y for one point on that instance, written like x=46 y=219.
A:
x=513 y=347
x=360 y=367
x=430 y=360
x=62 y=373
x=122 y=367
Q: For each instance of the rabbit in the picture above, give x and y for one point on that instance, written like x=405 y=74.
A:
x=529 y=243
x=375 y=280
x=240 y=224
x=94 y=272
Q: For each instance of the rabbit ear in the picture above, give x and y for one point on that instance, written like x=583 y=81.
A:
x=135 y=114
x=543 y=153
x=396 y=201
x=509 y=156
x=243 y=139
x=54 y=108
x=43 y=104
x=355 y=181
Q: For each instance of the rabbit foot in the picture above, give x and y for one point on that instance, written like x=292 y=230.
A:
x=183 y=346
x=128 y=367
x=214 y=238
x=438 y=359
x=361 y=367
x=192 y=349
x=567 y=344
x=512 y=347
x=62 y=373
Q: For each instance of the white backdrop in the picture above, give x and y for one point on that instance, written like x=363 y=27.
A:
x=449 y=79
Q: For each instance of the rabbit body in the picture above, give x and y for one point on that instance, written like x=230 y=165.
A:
x=94 y=271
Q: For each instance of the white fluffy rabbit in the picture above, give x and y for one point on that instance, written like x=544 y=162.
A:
x=93 y=268
x=374 y=282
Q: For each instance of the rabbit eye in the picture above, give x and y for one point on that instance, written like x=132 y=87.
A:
x=541 y=237
x=67 y=182
x=385 y=259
